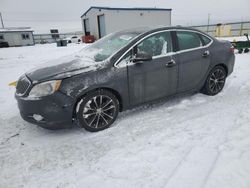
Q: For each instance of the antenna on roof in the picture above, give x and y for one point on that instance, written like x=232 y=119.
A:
x=1 y=20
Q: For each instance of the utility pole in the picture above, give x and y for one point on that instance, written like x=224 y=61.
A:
x=208 y=21
x=1 y=19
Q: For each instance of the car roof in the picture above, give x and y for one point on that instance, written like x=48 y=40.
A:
x=147 y=30
x=137 y=30
x=160 y=28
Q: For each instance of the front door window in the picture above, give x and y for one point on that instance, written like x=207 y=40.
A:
x=156 y=45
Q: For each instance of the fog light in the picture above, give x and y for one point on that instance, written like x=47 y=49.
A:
x=37 y=117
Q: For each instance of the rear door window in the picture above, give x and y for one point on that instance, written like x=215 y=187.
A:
x=188 y=40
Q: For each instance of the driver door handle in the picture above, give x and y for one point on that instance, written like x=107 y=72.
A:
x=171 y=63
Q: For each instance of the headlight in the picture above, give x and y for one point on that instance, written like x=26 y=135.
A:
x=45 y=88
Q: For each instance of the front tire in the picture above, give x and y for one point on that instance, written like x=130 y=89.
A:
x=215 y=81
x=97 y=110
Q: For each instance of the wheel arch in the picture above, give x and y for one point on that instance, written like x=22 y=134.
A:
x=203 y=88
x=113 y=91
x=116 y=93
x=222 y=65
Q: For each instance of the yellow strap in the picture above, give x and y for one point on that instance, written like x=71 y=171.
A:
x=13 y=84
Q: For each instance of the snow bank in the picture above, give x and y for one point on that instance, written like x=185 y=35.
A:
x=231 y=39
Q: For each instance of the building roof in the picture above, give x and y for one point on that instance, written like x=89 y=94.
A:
x=16 y=29
x=111 y=8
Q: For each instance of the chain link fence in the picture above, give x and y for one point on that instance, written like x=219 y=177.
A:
x=217 y=30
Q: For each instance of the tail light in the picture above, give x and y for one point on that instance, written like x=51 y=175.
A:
x=231 y=49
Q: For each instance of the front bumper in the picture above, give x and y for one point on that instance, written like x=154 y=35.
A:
x=54 y=111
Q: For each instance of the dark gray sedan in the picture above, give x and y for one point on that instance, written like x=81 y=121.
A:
x=123 y=70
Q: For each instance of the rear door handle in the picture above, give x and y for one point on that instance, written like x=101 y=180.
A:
x=171 y=63
x=206 y=53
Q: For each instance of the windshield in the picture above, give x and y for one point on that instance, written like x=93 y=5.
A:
x=105 y=47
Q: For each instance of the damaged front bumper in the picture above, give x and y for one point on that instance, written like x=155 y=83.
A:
x=51 y=112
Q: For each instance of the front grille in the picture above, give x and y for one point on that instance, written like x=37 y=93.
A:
x=22 y=85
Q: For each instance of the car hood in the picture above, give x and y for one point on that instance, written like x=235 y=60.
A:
x=62 y=68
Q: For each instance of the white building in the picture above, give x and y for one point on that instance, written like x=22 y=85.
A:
x=100 y=21
x=17 y=36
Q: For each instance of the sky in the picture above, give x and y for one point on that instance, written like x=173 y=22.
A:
x=43 y=15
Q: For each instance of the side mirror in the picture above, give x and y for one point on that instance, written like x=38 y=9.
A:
x=141 y=57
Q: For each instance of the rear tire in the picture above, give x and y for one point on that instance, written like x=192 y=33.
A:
x=215 y=81
x=97 y=110
x=246 y=50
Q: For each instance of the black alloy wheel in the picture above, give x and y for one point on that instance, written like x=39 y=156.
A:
x=97 y=110
x=215 y=81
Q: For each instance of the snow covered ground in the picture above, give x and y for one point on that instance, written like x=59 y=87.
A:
x=231 y=39
x=188 y=142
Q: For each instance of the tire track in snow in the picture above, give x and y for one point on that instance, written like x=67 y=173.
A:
x=197 y=163
x=177 y=167
x=236 y=125
x=211 y=169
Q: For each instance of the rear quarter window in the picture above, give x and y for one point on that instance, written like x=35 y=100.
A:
x=188 y=40
x=205 y=39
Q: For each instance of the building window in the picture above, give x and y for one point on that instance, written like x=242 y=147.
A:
x=25 y=36
x=1 y=37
